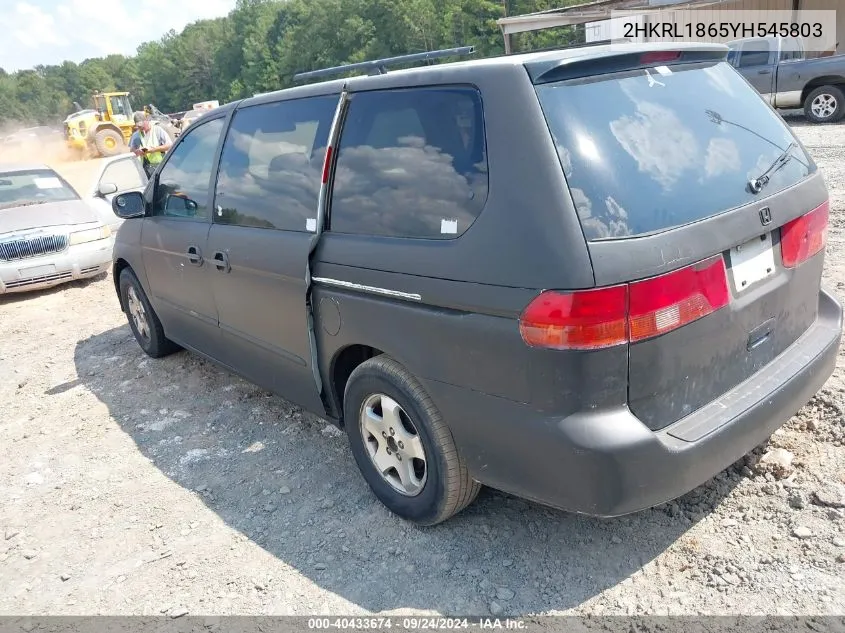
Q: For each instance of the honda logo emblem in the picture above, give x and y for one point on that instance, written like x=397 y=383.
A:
x=765 y=216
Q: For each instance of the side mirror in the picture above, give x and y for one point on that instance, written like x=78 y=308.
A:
x=128 y=205
x=106 y=189
x=180 y=205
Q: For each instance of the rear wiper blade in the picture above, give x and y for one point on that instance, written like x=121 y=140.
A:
x=757 y=184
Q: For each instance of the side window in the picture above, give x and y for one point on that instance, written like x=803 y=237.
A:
x=184 y=180
x=412 y=163
x=755 y=54
x=125 y=173
x=271 y=165
x=791 y=49
x=117 y=108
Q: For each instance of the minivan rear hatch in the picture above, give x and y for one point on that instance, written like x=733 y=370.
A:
x=695 y=195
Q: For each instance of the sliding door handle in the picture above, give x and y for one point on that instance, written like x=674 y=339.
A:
x=195 y=255
x=221 y=261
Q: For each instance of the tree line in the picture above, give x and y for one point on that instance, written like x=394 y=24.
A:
x=260 y=45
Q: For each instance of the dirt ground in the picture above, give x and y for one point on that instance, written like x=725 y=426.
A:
x=133 y=486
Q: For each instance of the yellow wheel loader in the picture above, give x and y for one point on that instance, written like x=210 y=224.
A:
x=106 y=129
x=103 y=130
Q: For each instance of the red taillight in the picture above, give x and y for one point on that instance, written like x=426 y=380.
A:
x=667 y=302
x=803 y=237
x=657 y=57
x=604 y=317
x=588 y=319
x=326 y=164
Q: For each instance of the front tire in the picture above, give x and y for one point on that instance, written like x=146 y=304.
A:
x=403 y=448
x=143 y=321
x=109 y=143
x=825 y=104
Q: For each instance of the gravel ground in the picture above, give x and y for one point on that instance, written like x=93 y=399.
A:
x=133 y=486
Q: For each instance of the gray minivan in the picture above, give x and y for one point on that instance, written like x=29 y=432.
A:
x=587 y=277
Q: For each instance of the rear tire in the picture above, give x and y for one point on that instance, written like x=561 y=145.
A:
x=143 y=321
x=109 y=143
x=825 y=104
x=384 y=405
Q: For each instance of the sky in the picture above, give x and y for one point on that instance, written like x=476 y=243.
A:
x=52 y=31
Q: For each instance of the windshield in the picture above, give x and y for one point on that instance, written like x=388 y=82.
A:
x=648 y=150
x=22 y=188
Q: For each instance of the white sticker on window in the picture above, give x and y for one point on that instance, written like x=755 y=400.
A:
x=448 y=226
x=311 y=224
x=663 y=70
x=48 y=183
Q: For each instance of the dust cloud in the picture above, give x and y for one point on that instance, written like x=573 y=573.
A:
x=77 y=167
x=52 y=153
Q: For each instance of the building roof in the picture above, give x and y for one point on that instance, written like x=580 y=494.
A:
x=591 y=12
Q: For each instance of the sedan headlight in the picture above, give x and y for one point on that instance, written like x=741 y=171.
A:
x=90 y=235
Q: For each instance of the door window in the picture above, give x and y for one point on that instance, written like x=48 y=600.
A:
x=118 y=109
x=125 y=174
x=412 y=163
x=271 y=165
x=755 y=53
x=185 y=178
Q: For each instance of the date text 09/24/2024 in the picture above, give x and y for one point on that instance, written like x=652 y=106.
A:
x=734 y=30
x=415 y=623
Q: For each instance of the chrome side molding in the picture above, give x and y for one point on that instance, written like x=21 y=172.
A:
x=386 y=292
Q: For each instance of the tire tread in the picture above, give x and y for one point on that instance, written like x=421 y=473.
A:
x=160 y=345
x=461 y=490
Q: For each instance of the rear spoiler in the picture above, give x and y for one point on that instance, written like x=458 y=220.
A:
x=619 y=59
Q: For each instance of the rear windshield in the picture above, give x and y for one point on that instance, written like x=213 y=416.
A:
x=648 y=150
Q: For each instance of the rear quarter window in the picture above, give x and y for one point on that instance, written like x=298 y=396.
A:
x=411 y=163
x=649 y=150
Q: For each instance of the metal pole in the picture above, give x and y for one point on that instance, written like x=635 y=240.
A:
x=507 y=36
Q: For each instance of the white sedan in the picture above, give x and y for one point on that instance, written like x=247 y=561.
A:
x=49 y=233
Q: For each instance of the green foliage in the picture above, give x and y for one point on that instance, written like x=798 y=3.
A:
x=260 y=45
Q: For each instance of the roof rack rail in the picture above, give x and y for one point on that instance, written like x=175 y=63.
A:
x=379 y=66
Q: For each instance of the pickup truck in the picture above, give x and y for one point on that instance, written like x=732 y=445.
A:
x=779 y=70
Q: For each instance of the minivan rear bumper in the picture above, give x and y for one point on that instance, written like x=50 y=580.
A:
x=608 y=463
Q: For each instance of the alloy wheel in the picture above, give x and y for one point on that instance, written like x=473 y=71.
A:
x=393 y=444
x=138 y=314
x=824 y=105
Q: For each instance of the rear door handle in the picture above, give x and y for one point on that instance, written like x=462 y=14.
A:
x=195 y=256
x=764 y=72
x=221 y=261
